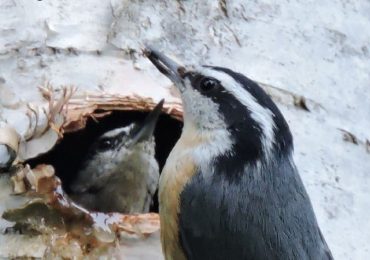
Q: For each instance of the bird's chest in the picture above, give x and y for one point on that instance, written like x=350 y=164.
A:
x=179 y=169
x=126 y=190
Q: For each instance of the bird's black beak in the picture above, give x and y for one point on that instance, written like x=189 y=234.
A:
x=168 y=67
x=145 y=131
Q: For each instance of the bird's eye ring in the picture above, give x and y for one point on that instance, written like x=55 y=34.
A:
x=208 y=84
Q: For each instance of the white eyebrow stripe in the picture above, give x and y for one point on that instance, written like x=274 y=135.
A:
x=263 y=116
x=115 y=132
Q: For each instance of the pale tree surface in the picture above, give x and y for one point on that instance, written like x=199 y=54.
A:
x=313 y=57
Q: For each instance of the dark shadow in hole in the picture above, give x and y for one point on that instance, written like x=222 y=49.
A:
x=67 y=156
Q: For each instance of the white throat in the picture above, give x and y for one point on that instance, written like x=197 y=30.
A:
x=207 y=144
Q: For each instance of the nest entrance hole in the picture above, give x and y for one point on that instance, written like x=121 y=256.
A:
x=67 y=156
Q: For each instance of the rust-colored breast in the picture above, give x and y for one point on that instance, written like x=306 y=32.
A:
x=179 y=169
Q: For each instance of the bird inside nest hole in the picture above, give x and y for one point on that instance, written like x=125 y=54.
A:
x=69 y=155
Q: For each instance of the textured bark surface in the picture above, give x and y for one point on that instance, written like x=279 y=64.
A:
x=313 y=58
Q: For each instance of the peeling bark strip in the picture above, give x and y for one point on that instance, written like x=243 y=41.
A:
x=66 y=227
x=9 y=145
x=80 y=108
x=9 y=137
x=223 y=7
x=67 y=110
x=349 y=137
x=289 y=98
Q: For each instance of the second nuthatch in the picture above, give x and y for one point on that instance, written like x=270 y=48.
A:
x=120 y=173
x=230 y=188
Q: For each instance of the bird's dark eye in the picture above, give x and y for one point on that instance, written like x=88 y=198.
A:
x=208 y=84
x=105 y=144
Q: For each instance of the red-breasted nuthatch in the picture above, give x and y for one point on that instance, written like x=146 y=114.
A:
x=120 y=173
x=229 y=188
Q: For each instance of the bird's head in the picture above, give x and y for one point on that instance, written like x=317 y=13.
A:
x=229 y=108
x=110 y=150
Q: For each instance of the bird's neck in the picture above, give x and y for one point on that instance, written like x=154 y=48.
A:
x=230 y=151
x=206 y=144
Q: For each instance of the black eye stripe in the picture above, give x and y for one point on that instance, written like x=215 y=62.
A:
x=208 y=84
x=106 y=144
x=202 y=83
